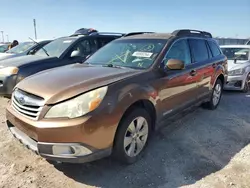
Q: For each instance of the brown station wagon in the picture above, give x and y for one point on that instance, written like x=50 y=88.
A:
x=113 y=102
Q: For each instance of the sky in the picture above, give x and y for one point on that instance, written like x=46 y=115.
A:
x=56 y=18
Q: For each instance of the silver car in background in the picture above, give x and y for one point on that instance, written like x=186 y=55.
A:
x=238 y=67
x=24 y=48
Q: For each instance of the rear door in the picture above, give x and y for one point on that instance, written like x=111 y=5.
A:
x=204 y=66
x=178 y=87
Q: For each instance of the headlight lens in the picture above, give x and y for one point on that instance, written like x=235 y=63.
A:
x=7 y=71
x=236 y=72
x=78 y=106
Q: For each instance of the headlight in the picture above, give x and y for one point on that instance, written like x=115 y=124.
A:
x=236 y=72
x=7 y=71
x=78 y=106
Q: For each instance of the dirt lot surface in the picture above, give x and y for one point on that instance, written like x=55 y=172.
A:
x=202 y=149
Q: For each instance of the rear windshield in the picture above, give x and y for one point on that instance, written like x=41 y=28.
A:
x=239 y=53
x=133 y=53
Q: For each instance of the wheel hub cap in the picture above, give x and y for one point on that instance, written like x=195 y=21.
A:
x=136 y=136
x=216 y=94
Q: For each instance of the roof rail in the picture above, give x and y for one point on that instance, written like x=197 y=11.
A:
x=183 y=32
x=107 y=33
x=135 y=33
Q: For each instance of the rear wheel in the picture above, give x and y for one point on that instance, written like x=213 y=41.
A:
x=132 y=136
x=216 y=96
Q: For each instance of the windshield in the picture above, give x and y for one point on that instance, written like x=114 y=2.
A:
x=22 y=47
x=133 y=53
x=239 y=53
x=56 y=47
x=3 y=48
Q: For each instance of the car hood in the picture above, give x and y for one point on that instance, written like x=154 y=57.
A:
x=240 y=64
x=6 y=56
x=62 y=83
x=18 y=61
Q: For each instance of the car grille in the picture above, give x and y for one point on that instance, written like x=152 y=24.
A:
x=27 y=104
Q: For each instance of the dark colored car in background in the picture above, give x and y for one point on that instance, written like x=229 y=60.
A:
x=60 y=52
x=113 y=102
x=24 y=48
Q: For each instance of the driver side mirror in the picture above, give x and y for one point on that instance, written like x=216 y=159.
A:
x=32 y=52
x=174 y=64
x=75 y=53
x=235 y=60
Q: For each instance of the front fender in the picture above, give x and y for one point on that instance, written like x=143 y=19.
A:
x=131 y=94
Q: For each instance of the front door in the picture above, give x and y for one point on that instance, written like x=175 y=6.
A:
x=83 y=48
x=178 y=87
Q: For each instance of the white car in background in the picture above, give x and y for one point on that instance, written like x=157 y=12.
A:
x=24 y=48
x=238 y=67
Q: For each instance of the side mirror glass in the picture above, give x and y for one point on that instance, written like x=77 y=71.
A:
x=235 y=60
x=31 y=52
x=75 y=53
x=174 y=64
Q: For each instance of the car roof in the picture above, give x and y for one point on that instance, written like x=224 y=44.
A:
x=42 y=40
x=235 y=46
x=148 y=36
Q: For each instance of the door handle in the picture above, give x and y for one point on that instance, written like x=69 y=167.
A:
x=193 y=72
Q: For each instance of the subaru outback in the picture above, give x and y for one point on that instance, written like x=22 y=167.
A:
x=112 y=103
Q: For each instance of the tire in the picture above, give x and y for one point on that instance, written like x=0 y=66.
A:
x=134 y=149
x=246 y=86
x=212 y=104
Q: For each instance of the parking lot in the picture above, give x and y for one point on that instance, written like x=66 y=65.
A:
x=201 y=149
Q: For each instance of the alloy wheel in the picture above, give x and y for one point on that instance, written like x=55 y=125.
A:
x=216 y=94
x=136 y=136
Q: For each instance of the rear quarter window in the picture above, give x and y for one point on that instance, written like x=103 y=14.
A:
x=214 y=48
x=199 y=50
x=105 y=40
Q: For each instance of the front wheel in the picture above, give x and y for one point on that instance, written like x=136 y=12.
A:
x=216 y=95
x=132 y=136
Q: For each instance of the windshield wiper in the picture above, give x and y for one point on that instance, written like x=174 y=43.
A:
x=41 y=47
x=116 y=66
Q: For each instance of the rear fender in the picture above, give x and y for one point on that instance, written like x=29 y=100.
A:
x=220 y=70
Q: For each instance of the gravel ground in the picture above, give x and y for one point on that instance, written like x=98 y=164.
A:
x=201 y=149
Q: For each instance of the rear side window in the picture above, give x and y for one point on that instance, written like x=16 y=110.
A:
x=105 y=40
x=214 y=48
x=199 y=50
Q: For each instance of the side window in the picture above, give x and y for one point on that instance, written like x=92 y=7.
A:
x=209 y=50
x=198 y=49
x=214 y=48
x=85 y=47
x=179 y=50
